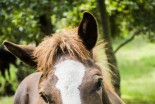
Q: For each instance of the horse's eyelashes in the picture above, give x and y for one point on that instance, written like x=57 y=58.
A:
x=99 y=84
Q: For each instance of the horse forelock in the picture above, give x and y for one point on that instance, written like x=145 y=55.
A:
x=53 y=47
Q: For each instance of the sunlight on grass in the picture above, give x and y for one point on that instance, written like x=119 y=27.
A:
x=136 y=62
x=6 y=100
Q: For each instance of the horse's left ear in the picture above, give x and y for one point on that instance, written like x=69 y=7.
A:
x=87 y=30
x=23 y=52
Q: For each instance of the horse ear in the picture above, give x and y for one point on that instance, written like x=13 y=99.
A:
x=114 y=98
x=23 y=52
x=87 y=30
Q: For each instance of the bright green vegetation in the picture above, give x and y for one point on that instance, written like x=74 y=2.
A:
x=137 y=67
x=6 y=100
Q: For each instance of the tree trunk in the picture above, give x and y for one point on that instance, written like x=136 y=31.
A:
x=111 y=59
x=46 y=26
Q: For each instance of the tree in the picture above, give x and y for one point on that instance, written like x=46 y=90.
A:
x=28 y=22
x=109 y=50
x=131 y=17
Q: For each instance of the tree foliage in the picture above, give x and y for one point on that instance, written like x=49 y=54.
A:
x=20 y=19
x=132 y=15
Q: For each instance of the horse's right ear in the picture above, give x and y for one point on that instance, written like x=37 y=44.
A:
x=23 y=52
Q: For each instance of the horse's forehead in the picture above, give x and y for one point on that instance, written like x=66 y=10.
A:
x=70 y=74
x=70 y=71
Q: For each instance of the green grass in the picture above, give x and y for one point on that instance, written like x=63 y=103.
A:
x=6 y=100
x=136 y=62
x=12 y=80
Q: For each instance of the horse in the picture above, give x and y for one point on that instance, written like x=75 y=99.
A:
x=6 y=58
x=66 y=70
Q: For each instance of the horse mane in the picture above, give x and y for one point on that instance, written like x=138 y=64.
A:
x=53 y=47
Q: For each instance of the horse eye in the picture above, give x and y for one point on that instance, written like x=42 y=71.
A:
x=99 y=84
x=45 y=98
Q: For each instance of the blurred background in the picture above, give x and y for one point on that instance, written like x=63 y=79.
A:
x=126 y=26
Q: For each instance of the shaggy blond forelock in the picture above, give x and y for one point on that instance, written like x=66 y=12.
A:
x=52 y=47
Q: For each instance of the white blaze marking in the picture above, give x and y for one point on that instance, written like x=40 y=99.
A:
x=70 y=74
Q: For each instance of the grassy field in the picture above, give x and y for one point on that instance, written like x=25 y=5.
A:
x=6 y=100
x=136 y=62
